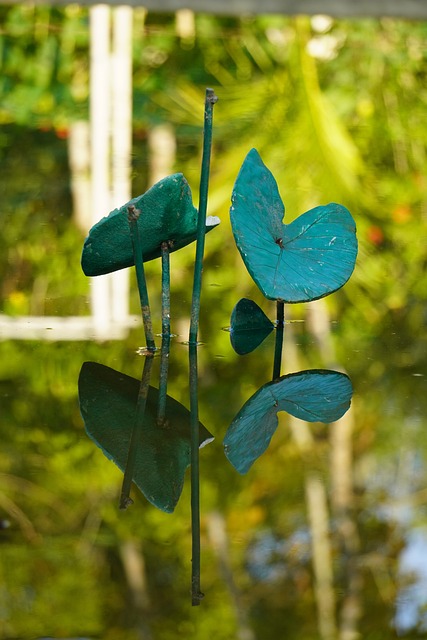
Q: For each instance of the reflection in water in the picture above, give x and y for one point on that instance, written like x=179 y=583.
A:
x=151 y=442
x=153 y=438
x=313 y=396
x=249 y=326
x=412 y=599
x=149 y=435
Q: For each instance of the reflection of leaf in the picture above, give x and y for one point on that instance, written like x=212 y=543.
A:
x=167 y=214
x=108 y=402
x=307 y=259
x=249 y=326
x=314 y=396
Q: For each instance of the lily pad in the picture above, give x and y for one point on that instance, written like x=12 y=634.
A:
x=249 y=326
x=167 y=215
x=318 y=395
x=307 y=259
x=108 y=402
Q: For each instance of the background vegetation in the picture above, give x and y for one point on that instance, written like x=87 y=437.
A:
x=337 y=110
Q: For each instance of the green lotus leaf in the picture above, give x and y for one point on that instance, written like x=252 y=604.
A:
x=167 y=214
x=307 y=259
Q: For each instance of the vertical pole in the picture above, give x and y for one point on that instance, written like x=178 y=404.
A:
x=162 y=149
x=210 y=100
x=121 y=140
x=100 y=150
x=196 y=593
x=163 y=381
x=133 y=215
x=166 y=285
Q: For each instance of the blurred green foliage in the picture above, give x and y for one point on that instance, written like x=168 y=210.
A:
x=338 y=113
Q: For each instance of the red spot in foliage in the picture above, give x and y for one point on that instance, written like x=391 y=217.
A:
x=375 y=235
x=62 y=133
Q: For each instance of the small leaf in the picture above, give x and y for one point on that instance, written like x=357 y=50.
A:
x=249 y=326
x=167 y=215
x=108 y=402
x=307 y=259
x=314 y=396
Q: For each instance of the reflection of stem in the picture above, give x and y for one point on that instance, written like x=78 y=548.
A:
x=163 y=383
x=196 y=593
x=133 y=215
x=280 y=313
x=166 y=287
x=210 y=100
x=125 y=500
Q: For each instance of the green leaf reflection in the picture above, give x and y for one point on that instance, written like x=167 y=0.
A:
x=249 y=326
x=108 y=401
x=317 y=395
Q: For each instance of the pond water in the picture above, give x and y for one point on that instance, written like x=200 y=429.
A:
x=324 y=534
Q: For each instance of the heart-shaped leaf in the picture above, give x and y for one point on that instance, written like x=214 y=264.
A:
x=307 y=259
x=314 y=396
x=108 y=401
x=167 y=214
x=249 y=326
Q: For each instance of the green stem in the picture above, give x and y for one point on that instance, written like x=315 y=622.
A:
x=125 y=500
x=280 y=315
x=163 y=382
x=196 y=593
x=210 y=100
x=166 y=289
x=133 y=215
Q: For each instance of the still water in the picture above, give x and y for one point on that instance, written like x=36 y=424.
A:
x=322 y=536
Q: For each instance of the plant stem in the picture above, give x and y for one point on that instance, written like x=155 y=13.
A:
x=163 y=382
x=280 y=316
x=210 y=100
x=133 y=215
x=125 y=500
x=166 y=288
x=196 y=593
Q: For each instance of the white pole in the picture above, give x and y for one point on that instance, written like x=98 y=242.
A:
x=121 y=136
x=100 y=151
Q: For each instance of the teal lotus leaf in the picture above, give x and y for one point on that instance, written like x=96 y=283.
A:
x=167 y=214
x=313 y=396
x=249 y=326
x=108 y=401
x=307 y=259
